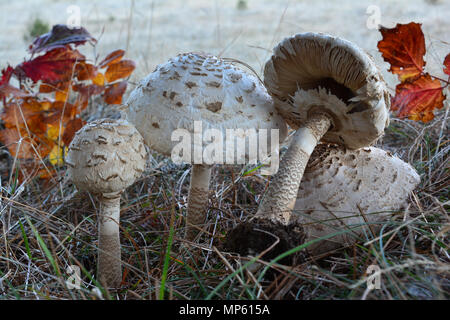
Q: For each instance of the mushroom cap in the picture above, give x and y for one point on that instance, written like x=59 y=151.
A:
x=199 y=87
x=106 y=156
x=339 y=184
x=312 y=72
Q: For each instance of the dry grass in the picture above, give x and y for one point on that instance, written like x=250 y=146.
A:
x=45 y=227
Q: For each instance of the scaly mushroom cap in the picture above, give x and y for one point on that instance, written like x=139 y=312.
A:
x=199 y=87
x=312 y=72
x=339 y=186
x=106 y=156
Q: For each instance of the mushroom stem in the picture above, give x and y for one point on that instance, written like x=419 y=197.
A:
x=109 y=262
x=279 y=200
x=197 y=199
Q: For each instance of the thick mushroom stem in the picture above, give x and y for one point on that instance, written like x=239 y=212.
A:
x=279 y=200
x=197 y=199
x=109 y=262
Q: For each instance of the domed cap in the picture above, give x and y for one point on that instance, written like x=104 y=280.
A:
x=199 y=87
x=312 y=72
x=338 y=185
x=106 y=156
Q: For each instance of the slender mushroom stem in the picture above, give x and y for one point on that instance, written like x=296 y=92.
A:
x=281 y=194
x=197 y=199
x=109 y=262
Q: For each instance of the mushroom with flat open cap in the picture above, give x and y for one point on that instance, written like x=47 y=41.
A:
x=105 y=157
x=218 y=95
x=348 y=192
x=329 y=90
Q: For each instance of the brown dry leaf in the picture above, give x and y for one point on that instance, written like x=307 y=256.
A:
x=61 y=111
x=71 y=128
x=85 y=92
x=60 y=36
x=85 y=71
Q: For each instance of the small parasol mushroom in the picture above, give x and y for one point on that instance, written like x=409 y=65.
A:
x=105 y=157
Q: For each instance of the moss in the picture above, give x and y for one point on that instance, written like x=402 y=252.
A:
x=35 y=29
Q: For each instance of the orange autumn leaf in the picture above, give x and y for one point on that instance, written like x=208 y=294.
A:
x=99 y=79
x=404 y=48
x=119 y=70
x=62 y=91
x=22 y=146
x=40 y=119
x=418 y=98
x=111 y=58
x=85 y=71
x=27 y=114
x=114 y=93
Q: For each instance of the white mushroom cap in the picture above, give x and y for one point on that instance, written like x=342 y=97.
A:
x=199 y=87
x=106 y=156
x=339 y=184
x=312 y=72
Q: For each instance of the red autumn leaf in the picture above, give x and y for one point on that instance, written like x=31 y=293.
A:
x=418 y=98
x=119 y=70
x=114 y=92
x=71 y=128
x=56 y=65
x=404 y=48
x=60 y=36
x=6 y=76
x=111 y=58
x=7 y=89
x=447 y=64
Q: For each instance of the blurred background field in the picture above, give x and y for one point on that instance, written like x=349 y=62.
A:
x=154 y=30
